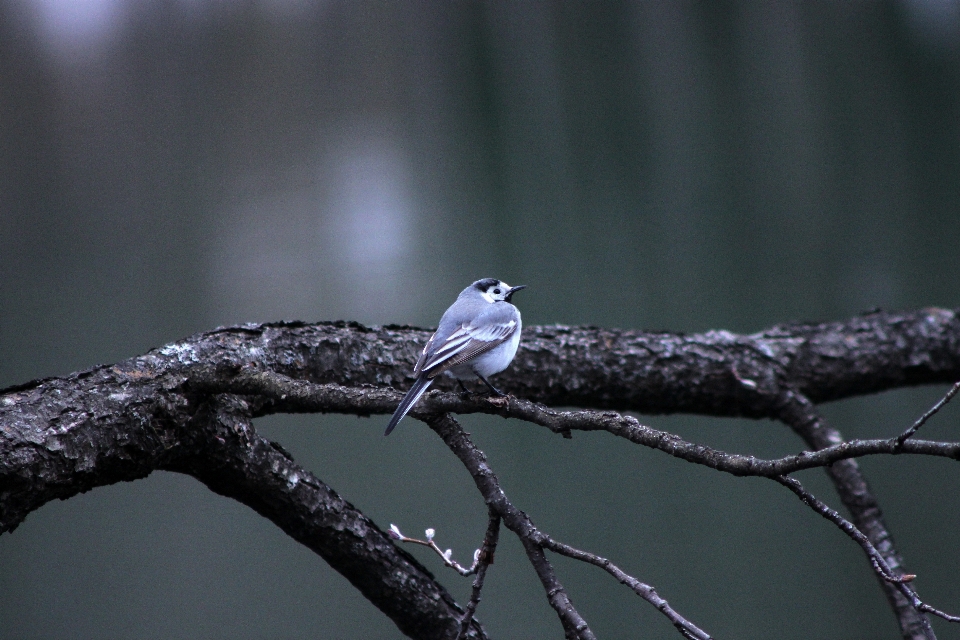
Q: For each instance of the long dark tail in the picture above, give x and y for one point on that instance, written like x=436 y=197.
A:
x=418 y=389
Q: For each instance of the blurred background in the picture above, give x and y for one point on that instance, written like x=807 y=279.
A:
x=168 y=166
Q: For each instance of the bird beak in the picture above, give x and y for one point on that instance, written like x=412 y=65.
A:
x=513 y=290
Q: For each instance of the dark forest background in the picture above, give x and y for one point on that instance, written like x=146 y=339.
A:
x=174 y=165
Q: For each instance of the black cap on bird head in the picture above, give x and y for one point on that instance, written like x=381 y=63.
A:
x=497 y=289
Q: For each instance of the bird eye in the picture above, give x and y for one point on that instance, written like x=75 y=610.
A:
x=496 y=291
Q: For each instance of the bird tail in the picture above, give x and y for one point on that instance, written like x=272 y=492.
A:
x=418 y=389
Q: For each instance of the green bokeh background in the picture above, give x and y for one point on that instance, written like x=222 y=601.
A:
x=170 y=166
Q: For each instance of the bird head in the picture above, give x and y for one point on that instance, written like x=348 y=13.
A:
x=494 y=290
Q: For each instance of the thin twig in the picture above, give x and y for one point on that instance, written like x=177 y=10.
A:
x=878 y=561
x=446 y=556
x=453 y=435
x=482 y=558
x=284 y=394
x=485 y=559
x=645 y=591
x=923 y=419
x=534 y=541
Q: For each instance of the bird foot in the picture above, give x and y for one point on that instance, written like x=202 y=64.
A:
x=501 y=401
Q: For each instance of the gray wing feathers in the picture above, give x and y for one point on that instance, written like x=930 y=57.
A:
x=479 y=342
x=454 y=344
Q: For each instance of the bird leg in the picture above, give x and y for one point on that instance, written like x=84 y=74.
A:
x=465 y=393
x=493 y=389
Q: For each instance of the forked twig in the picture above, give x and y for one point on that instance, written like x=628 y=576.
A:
x=645 y=591
x=482 y=558
x=447 y=555
x=878 y=561
x=923 y=419
x=487 y=552
x=535 y=541
x=305 y=394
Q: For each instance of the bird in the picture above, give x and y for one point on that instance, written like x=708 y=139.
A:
x=477 y=336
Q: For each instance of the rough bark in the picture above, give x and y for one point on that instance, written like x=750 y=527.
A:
x=162 y=410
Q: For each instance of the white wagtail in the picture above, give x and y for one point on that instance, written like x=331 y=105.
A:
x=478 y=336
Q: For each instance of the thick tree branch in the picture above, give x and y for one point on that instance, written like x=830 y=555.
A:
x=138 y=423
x=715 y=373
x=61 y=436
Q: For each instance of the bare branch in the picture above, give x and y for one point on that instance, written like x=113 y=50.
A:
x=879 y=562
x=645 y=591
x=534 y=541
x=278 y=393
x=797 y=412
x=226 y=454
x=133 y=424
x=446 y=556
x=61 y=436
x=485 y=559
x=923 y=419
x=449 y=430
x=851 y=485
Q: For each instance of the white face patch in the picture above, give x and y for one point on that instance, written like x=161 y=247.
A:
x=490 y=294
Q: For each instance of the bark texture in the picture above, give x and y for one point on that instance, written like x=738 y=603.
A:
x=168 y=410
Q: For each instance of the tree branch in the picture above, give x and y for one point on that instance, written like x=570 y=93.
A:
x=297 y=395
x=132 y=424
x=178 y=408
x=900 y=583
x=851 y=485
x=475 y=461
x=923 y=419
x=280 y=394
x=535 y=541
x=484 y=560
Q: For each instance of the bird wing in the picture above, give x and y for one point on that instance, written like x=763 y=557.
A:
x=464 y=344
